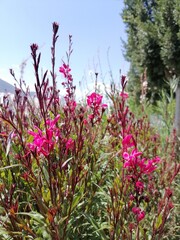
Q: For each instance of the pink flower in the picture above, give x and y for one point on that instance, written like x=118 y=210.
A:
x=128 y=141
x=85 y=121
x=141 y=216
x=65 y=70
x=134 y=154
x=41 y=143
x=156 y=159
x=104 y=106
x=148 y=166
x=72 y=105
x=69 y=144
x=91 y=116
x=126 y=156
x=131 y=197
x=131 y=159
x=52 y=123
x=94 y=100
x=136 y=210
x=139 y=213
x=124 y=95
x=140 y=186
x=44 y=142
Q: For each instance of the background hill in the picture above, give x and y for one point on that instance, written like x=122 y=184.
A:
x=6 y=87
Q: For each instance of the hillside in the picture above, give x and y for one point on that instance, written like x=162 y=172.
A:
x=6 y=87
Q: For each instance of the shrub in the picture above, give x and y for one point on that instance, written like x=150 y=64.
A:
x=81 y=171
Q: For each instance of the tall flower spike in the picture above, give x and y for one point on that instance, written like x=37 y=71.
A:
x=55 y=27
x=34 y=48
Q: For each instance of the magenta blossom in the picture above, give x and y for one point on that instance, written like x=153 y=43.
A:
x=128 y=141
x=52 y=123
x=104 y=106
x=65 y=70
x=44 y=142
x=139 y=186
x=72 y=105
x=94 y=100
x=134 y=162
x=131 y=159
x=136 y=210
x=136 y=168
x=69 y=144
x=141 y=216
x=124 y=95
x=139 y=213
x=41 y=143
x=91 y=116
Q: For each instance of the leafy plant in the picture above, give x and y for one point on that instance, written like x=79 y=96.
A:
x=81 y=171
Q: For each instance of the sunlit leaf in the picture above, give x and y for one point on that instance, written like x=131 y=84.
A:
x=9 y=142
x=158 y=221
x=12 y=166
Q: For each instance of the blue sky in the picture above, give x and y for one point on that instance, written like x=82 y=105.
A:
x=95 y=26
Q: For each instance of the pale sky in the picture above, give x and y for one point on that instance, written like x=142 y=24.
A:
x=95 y=26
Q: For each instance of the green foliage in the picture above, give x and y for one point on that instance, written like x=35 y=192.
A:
x=153 y=43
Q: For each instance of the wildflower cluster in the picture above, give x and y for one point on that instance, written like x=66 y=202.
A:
x=44 y=141
x=94 y=102
x=65 y=70
x=137 y=168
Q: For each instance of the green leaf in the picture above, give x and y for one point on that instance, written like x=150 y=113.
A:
x=34 y=215
x=45 y=172
x=11 y=166
x=66 y=162
x=62 y=220
x=9 y=177
x=98 y=229
x=103 y=193
x=9 y=142
x=76 y=200
x=3 y=231
x=46 y=194
x=158 y=221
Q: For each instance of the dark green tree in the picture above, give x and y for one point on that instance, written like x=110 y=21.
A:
x=168 y=30
x=153 y=46
x=153 y=43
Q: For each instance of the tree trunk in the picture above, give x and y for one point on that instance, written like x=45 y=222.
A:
x=177 y=118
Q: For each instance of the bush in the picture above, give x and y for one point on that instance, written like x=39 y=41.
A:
x=81 y=171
